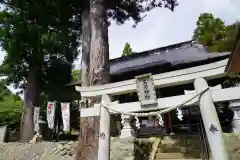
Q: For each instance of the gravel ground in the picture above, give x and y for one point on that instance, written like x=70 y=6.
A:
x=58 y=150
x=38 y=151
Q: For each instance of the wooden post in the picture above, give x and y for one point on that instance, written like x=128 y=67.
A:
x=104 y=131
x=211 y=122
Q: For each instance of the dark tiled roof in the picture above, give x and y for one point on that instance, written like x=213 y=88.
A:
x=182 y=53
x=173 y=56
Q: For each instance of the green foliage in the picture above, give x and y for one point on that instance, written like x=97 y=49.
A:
x=33 y=31
x=214 y=34
x=122 y=10
x=10 y=106
x=76 y=75
x=127 y=50
x=217 y=37
x=231 y=34
x=40 y=36
x=209 y=29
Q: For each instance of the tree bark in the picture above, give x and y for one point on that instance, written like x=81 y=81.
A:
x=98 y=74
x=99 y=56
x=86 y=40
x=31 y=97
x=87 y=139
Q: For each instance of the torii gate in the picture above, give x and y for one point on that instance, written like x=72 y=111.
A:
x=197 y=75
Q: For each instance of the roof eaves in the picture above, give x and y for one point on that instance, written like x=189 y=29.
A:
x=139 y=54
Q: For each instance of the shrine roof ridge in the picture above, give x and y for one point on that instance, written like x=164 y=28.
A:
x=144 y=53
x=174 y=55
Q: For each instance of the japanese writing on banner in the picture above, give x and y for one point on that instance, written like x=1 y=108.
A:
x=65 y=108
x=36 y=118
x=51 y=106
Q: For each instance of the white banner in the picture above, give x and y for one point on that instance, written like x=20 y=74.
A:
x=65 y=108
x=36 y=118
x=51 y=106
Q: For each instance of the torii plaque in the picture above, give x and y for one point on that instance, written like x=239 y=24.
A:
x=145 y=90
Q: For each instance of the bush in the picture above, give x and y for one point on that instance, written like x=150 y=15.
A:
x=10 y=107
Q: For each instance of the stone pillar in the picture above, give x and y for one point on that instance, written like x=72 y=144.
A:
x=150 y=122
x=235 y=107
x=211 y=122
x=3 y=132
x=104 y=131
x=127 y=130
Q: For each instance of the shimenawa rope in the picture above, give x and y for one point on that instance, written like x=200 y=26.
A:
x=156 y=112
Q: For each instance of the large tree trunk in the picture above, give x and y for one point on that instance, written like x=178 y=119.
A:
x=84 y=143
x=86 y=40
x=99 y=57
x=98 y=74
x=31 y=97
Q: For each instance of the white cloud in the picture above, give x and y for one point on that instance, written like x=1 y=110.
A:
x=162 y=27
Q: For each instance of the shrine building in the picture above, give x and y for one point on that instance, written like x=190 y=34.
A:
x=175 y=91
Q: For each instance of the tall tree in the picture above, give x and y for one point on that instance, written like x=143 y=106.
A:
x=127 y=50
x=101 y=12
x=86 y=37
x=27 y=69
x=231 y=34
x=209 y=29
x=214 y=34
x=99 y=56
x=32 y=31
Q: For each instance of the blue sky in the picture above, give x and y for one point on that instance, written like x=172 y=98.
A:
x=162 y=27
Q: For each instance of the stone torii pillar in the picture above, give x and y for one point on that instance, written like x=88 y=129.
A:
x=211 y=122
x=104 y=130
